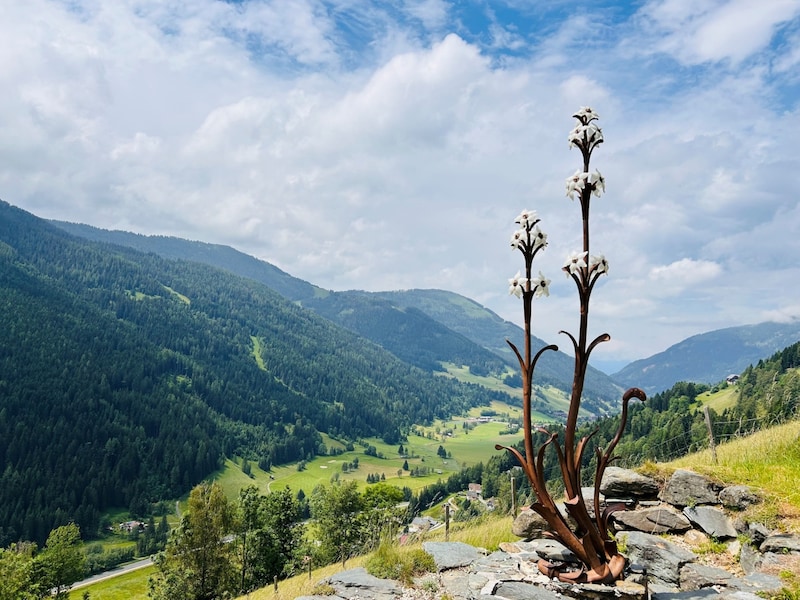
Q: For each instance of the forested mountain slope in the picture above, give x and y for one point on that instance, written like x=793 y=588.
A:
x=487 y=329
x=124 y=377
x=423 y=327
x=672 y=423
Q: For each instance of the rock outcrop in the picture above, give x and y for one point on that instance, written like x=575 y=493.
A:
x=657 y=535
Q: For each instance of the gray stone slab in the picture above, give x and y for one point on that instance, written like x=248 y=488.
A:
x=712 y=520
x=662 y=558
x=624 y=483
x=737 y=497
x=695 y=576
x=654 y=519
x=519 y=590
x=552 y=550
x=358 y=583
x=451 y=555
x=687 y=488
x=781 y=542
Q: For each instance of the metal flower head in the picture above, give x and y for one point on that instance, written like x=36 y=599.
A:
x=575 y=183
x=527 y=219
x=575 y=262
x=598 y=264
x=540 y=286
x=517 y=285
x=585 y=115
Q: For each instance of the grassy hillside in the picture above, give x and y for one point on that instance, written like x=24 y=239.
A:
x=465 y=447
x=768 y=461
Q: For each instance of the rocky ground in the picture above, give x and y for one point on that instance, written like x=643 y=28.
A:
x=684 y=540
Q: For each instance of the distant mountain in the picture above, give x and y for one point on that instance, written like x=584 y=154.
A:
x=488 y=330
x=709 y=357
x=423 y=327
x=223 y=257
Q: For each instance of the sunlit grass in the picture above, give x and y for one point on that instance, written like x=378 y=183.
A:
x=721 y=399
x=487 y=532
x=130 y=586
x=768 y=461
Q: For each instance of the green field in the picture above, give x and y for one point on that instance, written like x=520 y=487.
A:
x=720 y=400
x=465 y=447
x=130 y=586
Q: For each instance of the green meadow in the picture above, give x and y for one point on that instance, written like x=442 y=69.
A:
x=130 y=586
x=465 y=445
x=720 y=400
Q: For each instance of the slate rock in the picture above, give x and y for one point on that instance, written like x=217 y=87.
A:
x=758 y=582
x=519 y=590
x=712 y=520
x=662 y=558
x=749 y=559
x=781 y=542
x=655 y=519
x=687 y=488
x=357 y=582
x=529 y=524
x=706 y=594
x=695 y=576
x=461 y=585
x=498 y=565
x=552 y=551
x=625 y=483
x=451 y=555
x=737 y=497
x=757 y=533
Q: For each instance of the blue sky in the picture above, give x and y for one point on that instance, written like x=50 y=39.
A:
x=389 y=145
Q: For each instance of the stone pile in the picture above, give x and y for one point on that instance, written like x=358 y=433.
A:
x=666 y=534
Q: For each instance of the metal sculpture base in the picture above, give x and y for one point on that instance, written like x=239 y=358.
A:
x=605 y=573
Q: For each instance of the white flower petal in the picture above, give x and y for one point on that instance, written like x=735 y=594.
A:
x=575 y=262
x=540 y=286
x=516 y=285
x=526 y=217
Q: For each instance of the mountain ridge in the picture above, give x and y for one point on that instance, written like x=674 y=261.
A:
x=711 y=356
x=361 y=311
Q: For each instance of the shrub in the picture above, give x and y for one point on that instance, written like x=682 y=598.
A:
x=390 y=562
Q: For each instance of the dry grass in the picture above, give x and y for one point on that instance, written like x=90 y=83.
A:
x=487 y=533
x=768 y=461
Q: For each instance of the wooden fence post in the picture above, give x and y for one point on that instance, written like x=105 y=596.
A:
x=710 y=436
x=514 y=496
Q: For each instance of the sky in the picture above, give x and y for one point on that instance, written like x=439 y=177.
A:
x=376 y=145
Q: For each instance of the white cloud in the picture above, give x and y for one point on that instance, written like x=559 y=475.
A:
x=400 y=159
x=714 y=30
x=683 y=273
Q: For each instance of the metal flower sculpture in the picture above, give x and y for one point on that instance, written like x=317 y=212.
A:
x=588 y=538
